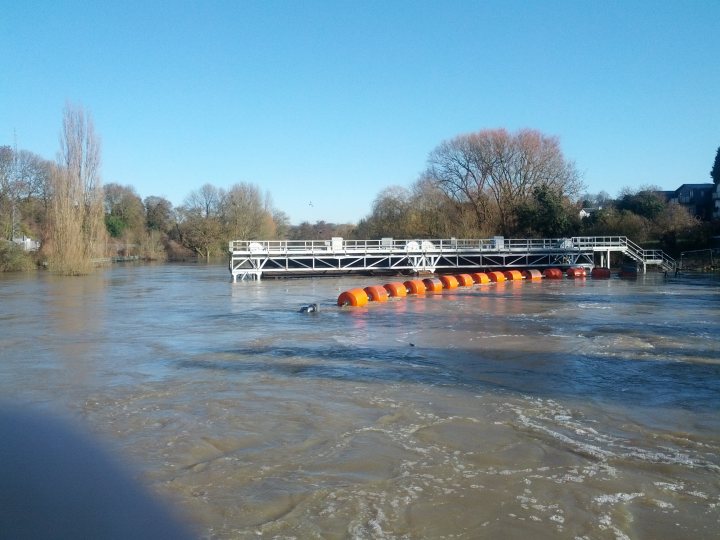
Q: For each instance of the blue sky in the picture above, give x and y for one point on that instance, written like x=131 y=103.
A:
x=324 y=104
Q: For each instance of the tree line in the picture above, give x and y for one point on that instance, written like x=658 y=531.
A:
x=79 y=221
x=491 y=182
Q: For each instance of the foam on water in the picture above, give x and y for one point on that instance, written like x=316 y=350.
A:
x=549 y=418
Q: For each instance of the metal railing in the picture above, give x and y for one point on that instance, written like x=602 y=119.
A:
x=425 y=245
x=248 y=256
x=650 y=256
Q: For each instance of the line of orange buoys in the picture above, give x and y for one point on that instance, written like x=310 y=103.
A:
x=381 y=293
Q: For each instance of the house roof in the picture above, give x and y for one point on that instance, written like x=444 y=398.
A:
x=696 y=186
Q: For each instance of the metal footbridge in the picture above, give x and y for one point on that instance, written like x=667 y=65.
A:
x=252 y=259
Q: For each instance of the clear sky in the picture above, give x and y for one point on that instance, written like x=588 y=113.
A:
x=324 y=104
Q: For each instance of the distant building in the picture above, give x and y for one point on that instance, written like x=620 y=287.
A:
x=587 y=212
x=28 y=244
x=697 y=198
x=716 y=199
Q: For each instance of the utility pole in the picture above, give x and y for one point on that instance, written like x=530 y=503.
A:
x=15 y=227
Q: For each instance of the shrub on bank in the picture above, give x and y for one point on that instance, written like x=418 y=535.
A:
x=13 y=258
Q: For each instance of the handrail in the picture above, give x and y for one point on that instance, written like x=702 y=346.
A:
x=650 y=256
x=254 y=257
x=425 y=245
x=445 y=245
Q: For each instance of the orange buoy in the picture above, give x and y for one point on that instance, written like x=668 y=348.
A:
x=496 y=277
x=513 y=275
x=481 y=278
x=449 y=282
x=600 y=273
x=376 y=293
x=353 y=297
x=553 y=273
x=465 y=280
x=433 y=285
x=532 y=274
x=396 y=289
x=577 y=272
x=415 y=286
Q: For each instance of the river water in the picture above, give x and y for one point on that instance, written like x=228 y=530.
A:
x=558 y=409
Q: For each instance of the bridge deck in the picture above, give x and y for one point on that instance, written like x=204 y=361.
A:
x=254 y=258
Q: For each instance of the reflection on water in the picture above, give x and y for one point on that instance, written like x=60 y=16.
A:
x=570 y=409
x=76 y=314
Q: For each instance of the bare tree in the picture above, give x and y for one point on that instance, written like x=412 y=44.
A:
x=245 y=214
x=419 y=212
x=7 y=163
x=204 y=202
x=211 y=216
x=461 y=170
x=494 y=172
x=390 y=213
x=8 y=189
x=201 y=235
x=282 y=223
x=76 y=231
x=33 y=173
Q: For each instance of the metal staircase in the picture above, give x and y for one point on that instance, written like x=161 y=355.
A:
x=649 y=256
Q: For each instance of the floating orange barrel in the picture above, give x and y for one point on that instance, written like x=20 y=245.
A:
x=513 y=275
x=376 y=293
x=496 y=277
x=433 y=284
x=481 y=278
x=578 y=272
x=553 y=273
x=465 y=280
x=415 y=286
x=532 y=274
x=600 y=273
x=396 y=289
x=449 y=282
x=353 y=297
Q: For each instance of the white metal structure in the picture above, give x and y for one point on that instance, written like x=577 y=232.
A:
x=251 y=259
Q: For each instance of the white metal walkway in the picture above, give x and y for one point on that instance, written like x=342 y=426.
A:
x=254 y=258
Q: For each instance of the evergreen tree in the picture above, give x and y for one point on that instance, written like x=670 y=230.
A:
x=715 y=172
x=546 y=215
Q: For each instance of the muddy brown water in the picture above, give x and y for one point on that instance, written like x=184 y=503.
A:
x=559 y=409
